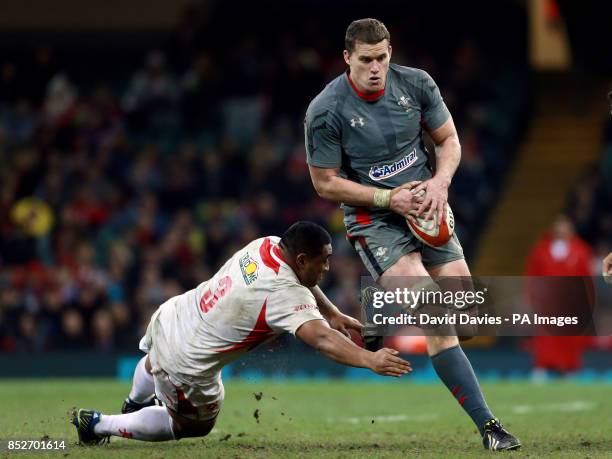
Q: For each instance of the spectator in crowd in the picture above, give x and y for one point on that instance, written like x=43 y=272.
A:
x=560 y=252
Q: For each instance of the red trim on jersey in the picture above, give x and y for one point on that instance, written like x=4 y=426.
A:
x=352 y=239
x=266 y=255
x=279 y=253
x=455 y=390
x=462 y=400
x=184 y=406
x=363 y=216
x=261 y=332
x=125 y=434
x=362 y=95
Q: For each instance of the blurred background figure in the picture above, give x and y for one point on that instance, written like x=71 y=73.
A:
x=560 y=252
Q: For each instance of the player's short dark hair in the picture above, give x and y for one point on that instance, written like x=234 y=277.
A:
x=305 y=237
x=368 y=30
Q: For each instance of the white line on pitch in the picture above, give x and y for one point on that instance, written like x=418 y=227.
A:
x=387 y=418
x=577 y=405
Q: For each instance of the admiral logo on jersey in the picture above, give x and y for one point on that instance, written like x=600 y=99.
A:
x=249 y=269
x=385 y=171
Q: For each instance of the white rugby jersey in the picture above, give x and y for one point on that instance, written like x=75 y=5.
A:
x=254 y=297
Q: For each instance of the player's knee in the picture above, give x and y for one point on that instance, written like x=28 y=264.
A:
x=408 y=266
x=184 y=427
x=437 y=344
x=447 y=341
x=188 y=428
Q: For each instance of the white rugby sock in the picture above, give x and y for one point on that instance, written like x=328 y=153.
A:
x=142 y=383
x=152 y=423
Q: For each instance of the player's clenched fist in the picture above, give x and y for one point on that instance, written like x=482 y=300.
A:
x=386 y=362
x=403 y=201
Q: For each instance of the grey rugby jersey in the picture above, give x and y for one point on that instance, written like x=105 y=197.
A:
x=375 y=142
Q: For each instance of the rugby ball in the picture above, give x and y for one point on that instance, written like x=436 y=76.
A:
x=432 y=232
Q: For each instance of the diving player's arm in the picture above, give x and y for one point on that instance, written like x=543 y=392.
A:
x=448 y=157
x=337 y=320
x=337 y=347
x=330 y=185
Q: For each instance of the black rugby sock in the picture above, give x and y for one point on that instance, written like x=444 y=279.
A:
x=455 y=371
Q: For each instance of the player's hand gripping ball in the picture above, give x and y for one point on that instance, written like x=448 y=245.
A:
x=432 y=232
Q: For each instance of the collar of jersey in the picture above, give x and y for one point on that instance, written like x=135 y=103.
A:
x=367 y=97
x=277 y=254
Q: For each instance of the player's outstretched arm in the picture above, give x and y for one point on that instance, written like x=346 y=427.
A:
x=337 y=320
x=335 y=346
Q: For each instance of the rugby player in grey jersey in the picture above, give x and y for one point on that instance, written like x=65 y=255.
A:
x=364 y=143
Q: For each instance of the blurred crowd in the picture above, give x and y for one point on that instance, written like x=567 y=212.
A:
x=118 y=194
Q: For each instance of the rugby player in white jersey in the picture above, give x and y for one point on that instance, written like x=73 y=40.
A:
x=267 y=288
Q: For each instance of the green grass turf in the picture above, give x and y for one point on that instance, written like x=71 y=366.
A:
x=329 y=419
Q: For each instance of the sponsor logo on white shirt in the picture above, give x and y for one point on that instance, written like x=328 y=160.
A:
x=249 y=268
